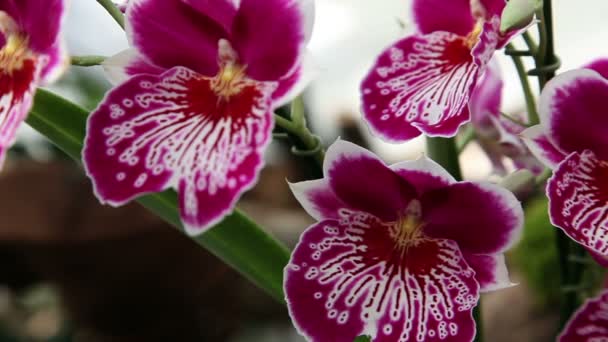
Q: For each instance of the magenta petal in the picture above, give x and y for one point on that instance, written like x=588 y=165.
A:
x=589 y=323
x=221 y=11
x=423 y=174
x=600 y=66
x=16 y=94
x=364 y=182
x=542 y=148
x=347 y=278
x=56 y=61
x=440 y=15
x=128 y=63
x=154 y=132
x=421 y=84
x=161 y=28
x=482 y=218
x=294 y=83
x=602 y=260
x=486 y=99
x=572 y=110
x=318 y=199
x=491 y=7
x=40 y=20
x=490 y=271
x=269 y=37
x=578 y=197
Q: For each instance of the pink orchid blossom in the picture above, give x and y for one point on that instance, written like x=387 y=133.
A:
x=590 y=322
x=422 y=83
x=497 y=135
x=571 y=139
x=31 y=54
x=194 y=111
x=400 y=252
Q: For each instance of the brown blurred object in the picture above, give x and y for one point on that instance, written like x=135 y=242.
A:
x=123 y=274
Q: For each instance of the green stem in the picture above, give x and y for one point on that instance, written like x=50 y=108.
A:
x=570 y=274
x=532 y=46
x=443 y=151
x=86 y=61
x=525 y=86
x=113 y=11
x=463 y=141
x=297 y=127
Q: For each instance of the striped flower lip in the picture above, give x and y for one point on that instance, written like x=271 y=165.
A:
x=589 y=323
x=197 y=121
x=571 y=139
x=422 y=83
x=31 y=54
x=400 y=252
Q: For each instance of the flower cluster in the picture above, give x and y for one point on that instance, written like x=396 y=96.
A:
x=400 y=252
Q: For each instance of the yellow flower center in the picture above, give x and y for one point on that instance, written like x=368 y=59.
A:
x=408 y=228
x=472 y=38
x=229 y=80
x=14 y=53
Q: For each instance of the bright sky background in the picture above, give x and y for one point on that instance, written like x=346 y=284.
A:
x=347 y=37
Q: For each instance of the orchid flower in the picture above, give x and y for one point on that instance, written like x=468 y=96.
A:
x=498 y=136
x=31 y=54
x=571 y=140
x=422 y=83
x=194 y=111
x=589 y=323
x=400 y=252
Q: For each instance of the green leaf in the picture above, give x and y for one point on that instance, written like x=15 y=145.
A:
x=237 y=240
x=363 y=338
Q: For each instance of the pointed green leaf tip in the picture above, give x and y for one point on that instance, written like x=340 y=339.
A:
x=518 y=14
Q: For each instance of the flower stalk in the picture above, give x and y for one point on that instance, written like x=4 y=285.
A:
x=296 y=127
x=87 y=61
x=109 y=6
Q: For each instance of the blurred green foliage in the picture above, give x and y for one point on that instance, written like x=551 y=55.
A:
x=536 y=255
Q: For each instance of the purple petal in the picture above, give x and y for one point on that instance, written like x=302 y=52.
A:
x=439 y=15
x=318 y=199
x=600 y=66
x=491 y=8
x=16 y=94
x=160 y=28
x=347 y=278
x=2 y=39
x=222 y=12
x=40 y=20
x=486 y=98
x=269 y=37
x=423 y=174
x=128 y=63
x=155 y=132
x=542 y=148
x=578 y=197
x=295 y=82
x=572 y=110
x=589 y=323
x=364 y=182
x=482 y=218
x=419 y=84
x=602 y=260
x=490 y=271
x=56 y=62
